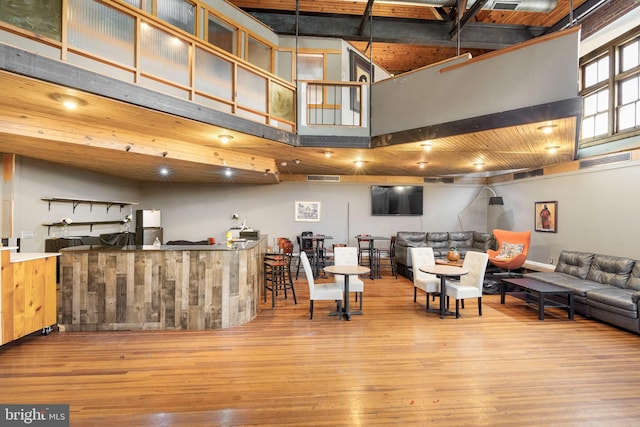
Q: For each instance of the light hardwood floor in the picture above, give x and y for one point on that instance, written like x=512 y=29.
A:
x=394 y=365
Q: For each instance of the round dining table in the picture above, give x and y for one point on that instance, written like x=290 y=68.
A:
x=444 y=271
x=346 y=271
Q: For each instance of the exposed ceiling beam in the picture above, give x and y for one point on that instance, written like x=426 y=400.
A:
x=463 y=18
x=397 y=30
x=365 y=17
x=579 y=13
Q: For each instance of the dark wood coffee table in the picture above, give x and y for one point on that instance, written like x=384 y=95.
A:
x=534 y=291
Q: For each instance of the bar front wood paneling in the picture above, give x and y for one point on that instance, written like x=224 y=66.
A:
x=181 y=287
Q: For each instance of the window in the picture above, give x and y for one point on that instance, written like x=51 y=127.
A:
x=630 y=56
x=222 y=35
x=595 y=113
x=629 y=108
x=259 y=54
x=310 y=66
x=610 y=89
x=180 y=13
x=596 y=72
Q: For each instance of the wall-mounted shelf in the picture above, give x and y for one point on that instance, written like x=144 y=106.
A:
x=89 y=223
x=90 y=202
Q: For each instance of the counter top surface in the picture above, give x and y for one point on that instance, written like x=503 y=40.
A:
x=249 y=244
x=25 y=256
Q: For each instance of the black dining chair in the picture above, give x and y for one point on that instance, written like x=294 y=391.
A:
x=387 y=254
x=306 y=246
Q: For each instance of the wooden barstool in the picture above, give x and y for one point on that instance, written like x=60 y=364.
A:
x=277 y=272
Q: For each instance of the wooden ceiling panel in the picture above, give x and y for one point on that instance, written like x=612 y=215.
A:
x=400 y=57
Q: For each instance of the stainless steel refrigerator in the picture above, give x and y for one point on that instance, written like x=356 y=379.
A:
x=148 y=226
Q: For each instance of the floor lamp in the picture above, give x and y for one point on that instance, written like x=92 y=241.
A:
x=494 y=199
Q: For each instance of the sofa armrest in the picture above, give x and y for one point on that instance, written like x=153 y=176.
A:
x=635 y=297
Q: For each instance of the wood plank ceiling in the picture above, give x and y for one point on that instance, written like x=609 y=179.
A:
x=120 y=139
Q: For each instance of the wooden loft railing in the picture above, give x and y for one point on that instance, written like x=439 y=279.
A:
x=333 y=103
x=174 y=62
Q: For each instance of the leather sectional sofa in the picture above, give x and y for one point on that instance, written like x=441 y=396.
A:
x=605 y=287
x=440 y=241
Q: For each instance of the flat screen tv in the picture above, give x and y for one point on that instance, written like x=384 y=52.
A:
x=396 y=200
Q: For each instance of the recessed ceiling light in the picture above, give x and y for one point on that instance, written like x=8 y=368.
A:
x=359 y=163
x=328 y=154
x=297 y=161
x=422 y=164
x=548 y=128
x=479 y=164
x=225 y=138
x=164 y=171
x=426 y=145
x=552 y=149
x=228 y=172
x=69 y=101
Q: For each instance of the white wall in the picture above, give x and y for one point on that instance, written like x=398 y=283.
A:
x=195 y=212
x=597 y=211
x=537 y=73
x=35 y=179
x=597 y=208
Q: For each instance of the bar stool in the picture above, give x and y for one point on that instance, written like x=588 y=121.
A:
x=277 y=273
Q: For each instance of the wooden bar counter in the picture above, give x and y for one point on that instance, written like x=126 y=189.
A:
x=165 y=287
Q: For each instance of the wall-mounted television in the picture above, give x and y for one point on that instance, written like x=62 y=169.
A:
x=396 y=199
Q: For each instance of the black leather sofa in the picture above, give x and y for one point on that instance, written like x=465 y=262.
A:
x=606 y=288
x=440 y=242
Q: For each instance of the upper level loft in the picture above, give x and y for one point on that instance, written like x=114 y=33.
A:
x=219 y=58
x=291 y=101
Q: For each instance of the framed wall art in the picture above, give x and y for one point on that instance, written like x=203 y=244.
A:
x=360 y=71
x=306 y=211
x=546 y=216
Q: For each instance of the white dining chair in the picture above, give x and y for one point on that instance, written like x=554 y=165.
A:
x=429 y=283
x=471 y=284
x=320 y=291
x=349 y=256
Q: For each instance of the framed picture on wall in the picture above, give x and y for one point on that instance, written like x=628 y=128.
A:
x=306 y=211
x=360 y=71
x=546 y=216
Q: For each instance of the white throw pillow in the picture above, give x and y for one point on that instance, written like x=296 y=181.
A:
x=509 y=250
